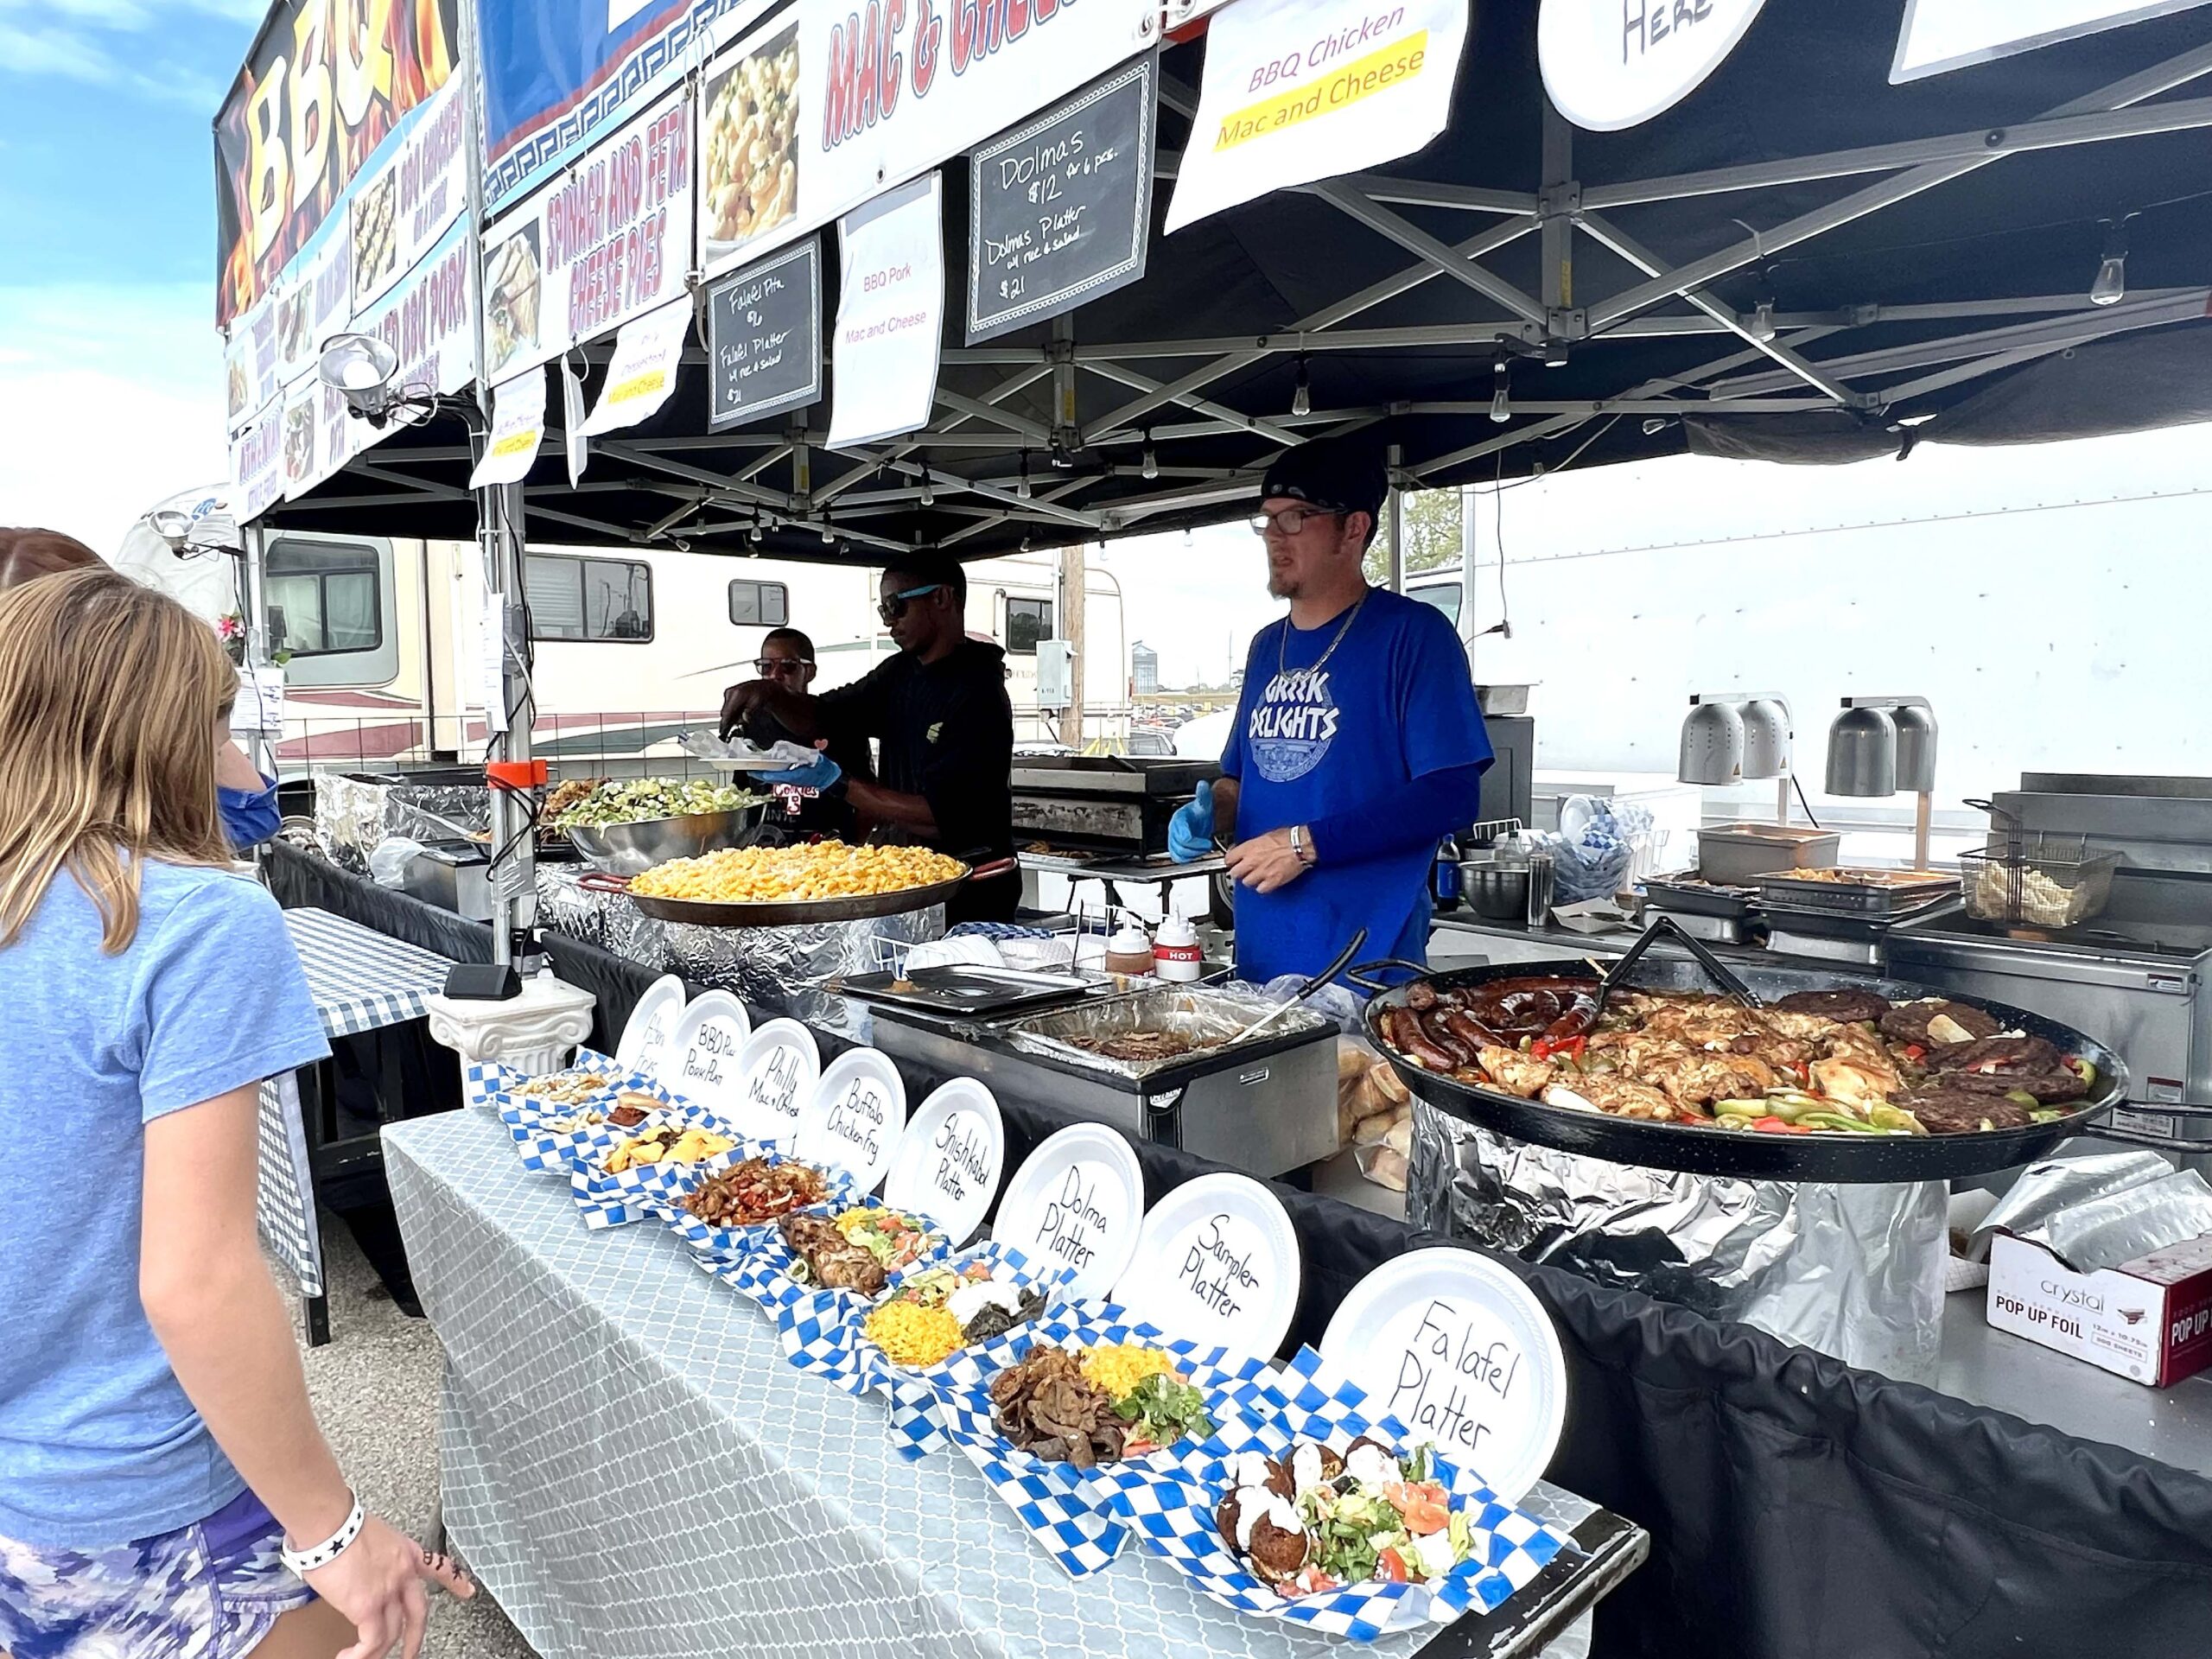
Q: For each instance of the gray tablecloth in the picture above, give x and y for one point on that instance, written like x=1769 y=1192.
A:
x=636 y=1471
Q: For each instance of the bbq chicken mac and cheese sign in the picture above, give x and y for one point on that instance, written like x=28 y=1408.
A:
x=806 y=119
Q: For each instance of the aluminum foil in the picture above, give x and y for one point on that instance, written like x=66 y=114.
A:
x=1209 y=1018
x=352 y=813
x=2102 y=1210
x=1852 y=1271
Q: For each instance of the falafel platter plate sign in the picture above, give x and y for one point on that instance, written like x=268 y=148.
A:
x=1299 y=90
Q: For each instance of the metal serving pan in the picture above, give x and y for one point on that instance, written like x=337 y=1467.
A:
x=633 y=848
x=794 y=912
x=1837 y=1157
x=1691 y=895
x=962 y=989
x=1791 y=890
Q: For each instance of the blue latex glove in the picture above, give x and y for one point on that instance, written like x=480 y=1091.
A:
x=820 y=777
x=1190 y=832
x=249 y=816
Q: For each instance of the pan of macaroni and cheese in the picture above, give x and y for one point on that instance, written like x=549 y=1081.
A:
x=795 y=886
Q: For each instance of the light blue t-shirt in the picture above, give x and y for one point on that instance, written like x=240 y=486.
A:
x=98 y=1444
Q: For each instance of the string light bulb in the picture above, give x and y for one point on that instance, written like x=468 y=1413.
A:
x=1761 y=327
x=1500 y=403
x=1151 y=464
x=928 y=494
x=1301 y=400
x=2110 y=287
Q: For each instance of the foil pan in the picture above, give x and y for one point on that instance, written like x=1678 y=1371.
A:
x=353 y=814
x=1852 y=1271
x=2101 y=1211
x=1210 y=1019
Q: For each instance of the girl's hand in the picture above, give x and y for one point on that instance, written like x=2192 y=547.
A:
x=378 y=1584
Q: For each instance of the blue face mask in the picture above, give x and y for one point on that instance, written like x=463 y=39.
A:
x=249 y=816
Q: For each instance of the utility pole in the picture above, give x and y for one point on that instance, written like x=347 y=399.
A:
x=1075 y=576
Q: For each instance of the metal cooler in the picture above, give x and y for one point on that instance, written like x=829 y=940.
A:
x=1264 y=1107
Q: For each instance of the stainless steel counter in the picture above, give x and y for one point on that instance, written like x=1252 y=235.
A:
x=1459 y=936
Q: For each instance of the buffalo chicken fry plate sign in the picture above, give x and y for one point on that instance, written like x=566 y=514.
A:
x=1300 y=90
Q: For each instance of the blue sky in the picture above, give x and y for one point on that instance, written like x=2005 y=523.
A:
x=109 y=368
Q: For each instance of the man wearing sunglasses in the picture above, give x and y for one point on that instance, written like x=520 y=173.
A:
x=1357 y=745
x=940 y=716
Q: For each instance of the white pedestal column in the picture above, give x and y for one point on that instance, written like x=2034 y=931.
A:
x=534 y=1032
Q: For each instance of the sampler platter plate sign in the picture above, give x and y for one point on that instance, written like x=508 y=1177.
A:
x=701 y=1064
x=1458 y=1351
x=854 y=1116
x=948 y=1163
x=1217 y=1261
x=1077 y=1203
x=778 y=1069
x=645 y=1038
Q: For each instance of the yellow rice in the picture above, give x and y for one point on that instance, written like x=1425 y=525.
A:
x=1117 y=1367
x=911 y=1336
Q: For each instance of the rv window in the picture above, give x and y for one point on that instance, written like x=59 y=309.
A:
x=1027 y=620
x=323 y=599
x=760 y=604
x=588 y=599
x=1443 y=596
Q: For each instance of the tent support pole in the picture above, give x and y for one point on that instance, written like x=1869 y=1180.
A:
x=1397 y=511
x=257 y=748
x=499 y=540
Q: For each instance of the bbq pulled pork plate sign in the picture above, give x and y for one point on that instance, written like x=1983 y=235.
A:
x=607 y=242
x=837 y=101
x=1300 y=90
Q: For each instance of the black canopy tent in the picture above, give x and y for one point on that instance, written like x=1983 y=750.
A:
x=1798 y=262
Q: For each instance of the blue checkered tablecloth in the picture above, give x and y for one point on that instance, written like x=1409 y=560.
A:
x=360 y=981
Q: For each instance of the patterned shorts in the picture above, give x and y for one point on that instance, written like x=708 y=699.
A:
x=209 y=1591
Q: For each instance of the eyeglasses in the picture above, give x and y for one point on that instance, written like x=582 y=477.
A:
x=764 y=666
x=1290 y=520
x=895 y=606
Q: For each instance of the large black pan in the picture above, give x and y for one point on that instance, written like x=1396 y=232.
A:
x=1838 y=1156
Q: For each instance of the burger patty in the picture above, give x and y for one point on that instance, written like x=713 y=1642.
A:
x=2010 y=1055
x=1846 y=1007
x=1908 y=1022
x=2053 y=1088
x=1949 y=1111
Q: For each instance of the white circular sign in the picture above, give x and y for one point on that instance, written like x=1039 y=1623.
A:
x=1462 y=1353
x=644 y=1039
x=1077 y=1203
x=853 y=1117
x=778 y=1070
x=1611 y=64
x=701 y=1063
x=948 y=1164
x=1217 y=1261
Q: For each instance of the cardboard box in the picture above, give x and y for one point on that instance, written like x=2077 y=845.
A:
x=2149 y=1320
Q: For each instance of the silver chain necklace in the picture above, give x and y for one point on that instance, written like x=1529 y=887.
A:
x=1282 y=639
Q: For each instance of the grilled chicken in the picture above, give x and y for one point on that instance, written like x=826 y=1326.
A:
x=1517 y=1073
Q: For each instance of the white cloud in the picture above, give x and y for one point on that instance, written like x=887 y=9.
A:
x=102 y=42
x=110 y=399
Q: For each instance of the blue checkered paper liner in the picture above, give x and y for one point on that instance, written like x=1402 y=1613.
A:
x=650 y=1191
x=736 y=1245
x=561 y=1152
x=1070 y=1512
x=762 y=1268
x=1171 y=1511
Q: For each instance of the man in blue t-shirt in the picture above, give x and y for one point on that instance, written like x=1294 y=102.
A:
x=1357 y=745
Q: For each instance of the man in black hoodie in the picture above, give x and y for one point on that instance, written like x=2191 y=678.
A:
x=940 y=712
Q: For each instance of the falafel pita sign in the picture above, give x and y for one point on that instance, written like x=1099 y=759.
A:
x=1299 y=90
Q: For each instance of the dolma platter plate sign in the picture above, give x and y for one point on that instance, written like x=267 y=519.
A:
x=1462 y=1353
x=764 y=338
x=1059 y=209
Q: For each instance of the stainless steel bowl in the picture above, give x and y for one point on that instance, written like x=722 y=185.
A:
x=1494 y=893
x=633 y=848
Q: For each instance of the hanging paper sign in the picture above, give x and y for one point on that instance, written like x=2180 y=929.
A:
x=764 y=338
x=832 y=103
x=781 y=1069
x=416 y=194
x=648 y=353
x=429 y=320
x=518 y=429
x=1462 y=1353
x=1077 y=1203
x=259 y=709
x=890 y=314
x=854 y=1119
x=651 y=1019
x=948 y=1162
x=573 y=441
x=1299 y=90
x=1217 y=1261
x=1940 y=35
x=703 y=1063
x=1611 y=64
x=1059 y=210
x=608 y=242
x=257 y=464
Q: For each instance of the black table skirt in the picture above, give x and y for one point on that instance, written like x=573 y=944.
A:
x=1798 y=1508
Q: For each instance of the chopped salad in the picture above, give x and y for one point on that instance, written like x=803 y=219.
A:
x=1321 y=1519
x=642 y=800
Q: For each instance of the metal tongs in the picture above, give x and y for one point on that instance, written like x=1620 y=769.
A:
x=1582 y=1018
x=1298 y=998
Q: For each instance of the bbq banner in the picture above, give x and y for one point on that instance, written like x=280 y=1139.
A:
x=836 y=101
x=430 y=320
x=1299 y=90
x=313 y=301
x=252 y=375
x=328 y=83
x=416 y=192
x=257 y=464
x=608 y=241
x=559 y=74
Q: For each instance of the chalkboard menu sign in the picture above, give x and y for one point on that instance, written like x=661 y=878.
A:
x=764 y=338
x=1059 y=208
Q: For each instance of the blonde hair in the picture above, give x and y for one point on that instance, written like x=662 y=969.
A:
x=109 y=697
